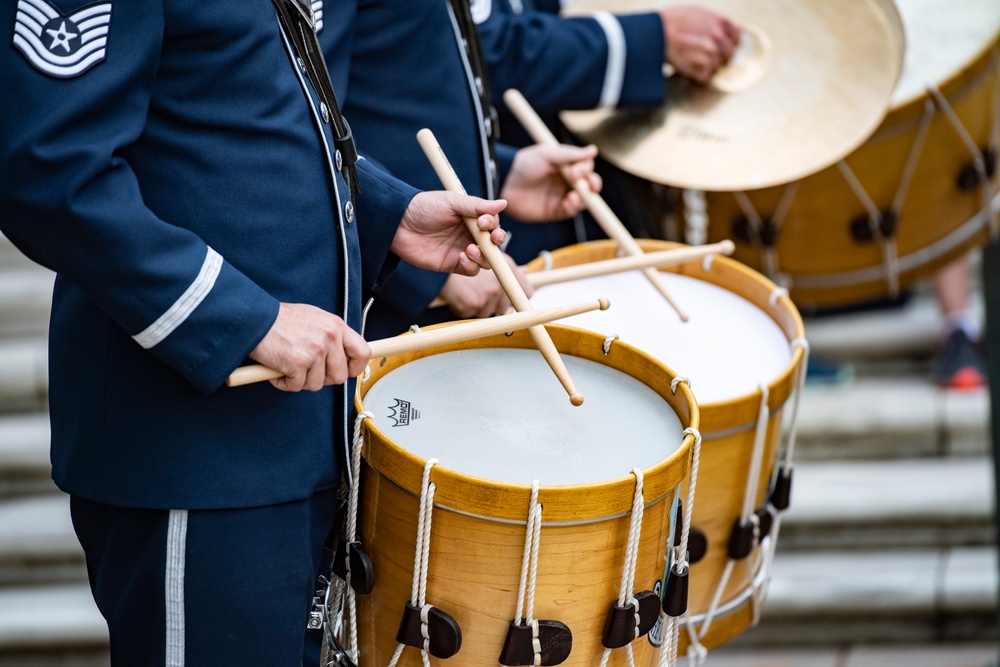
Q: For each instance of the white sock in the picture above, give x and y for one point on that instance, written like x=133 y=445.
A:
x=965 y=320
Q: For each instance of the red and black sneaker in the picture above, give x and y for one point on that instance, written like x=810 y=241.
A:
x=960 y=363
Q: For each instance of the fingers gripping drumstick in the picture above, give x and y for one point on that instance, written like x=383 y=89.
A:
x=501 y=269
x=602 y=213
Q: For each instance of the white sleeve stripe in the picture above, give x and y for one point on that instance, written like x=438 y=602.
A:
x=196 y=292
x=614 y=74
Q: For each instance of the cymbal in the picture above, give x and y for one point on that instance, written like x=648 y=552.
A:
x=808 y=83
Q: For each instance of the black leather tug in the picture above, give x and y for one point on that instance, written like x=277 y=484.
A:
x=443 y=632
x=626 y=623
x=555 y=641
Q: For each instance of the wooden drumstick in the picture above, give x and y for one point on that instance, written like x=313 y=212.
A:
x=446 y=335
x=598 y=208
x=502 y=270
x=659 y=259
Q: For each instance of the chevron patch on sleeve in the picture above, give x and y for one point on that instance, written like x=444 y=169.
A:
x=317 y=10
x=62 y=46
x=481 y=10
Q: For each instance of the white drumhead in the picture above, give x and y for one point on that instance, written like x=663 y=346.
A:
x=941 y=37
x=727 y=349
x=500 y=414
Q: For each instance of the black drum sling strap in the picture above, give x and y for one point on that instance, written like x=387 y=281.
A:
x=297 y=20
x=477 y=63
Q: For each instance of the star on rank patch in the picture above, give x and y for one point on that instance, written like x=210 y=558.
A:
x=62 y=46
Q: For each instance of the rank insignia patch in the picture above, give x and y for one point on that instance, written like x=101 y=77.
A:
x=317 y=10
x=62 y=46
x=481 y=10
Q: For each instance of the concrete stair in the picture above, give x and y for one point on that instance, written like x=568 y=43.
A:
x=889 y=538
x=25 y=293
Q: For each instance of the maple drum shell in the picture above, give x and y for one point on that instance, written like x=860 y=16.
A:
x=478 y=525
x=818 y=255
x=729 y=419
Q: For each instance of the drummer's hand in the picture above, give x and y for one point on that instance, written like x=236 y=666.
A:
x=536 y=188
x=482 y=295
x=433 y=235
x=312 y=347
x=699 y=40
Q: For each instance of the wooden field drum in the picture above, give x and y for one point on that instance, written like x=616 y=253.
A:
x=744 y=338
x=509 y=451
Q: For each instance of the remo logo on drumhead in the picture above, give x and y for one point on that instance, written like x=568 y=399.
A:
x=402 y=413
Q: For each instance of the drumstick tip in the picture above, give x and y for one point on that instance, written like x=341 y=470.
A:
x=576 y=398
x=727 y=247
x=603 y=303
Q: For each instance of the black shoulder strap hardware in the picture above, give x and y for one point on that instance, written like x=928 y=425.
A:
x=299 y=23
x=477 y=62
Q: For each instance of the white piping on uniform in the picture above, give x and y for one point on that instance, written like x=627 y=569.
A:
x=614 y=74
x=340 y=213
x=196 y=292
x=174 y=586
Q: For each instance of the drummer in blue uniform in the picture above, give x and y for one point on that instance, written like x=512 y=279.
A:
x=188 y=175
x=427 y=54
x=585 y=62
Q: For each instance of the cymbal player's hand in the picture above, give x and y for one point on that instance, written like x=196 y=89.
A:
x=699 y=40
x=432 y=233
x=312 y=347
x=481 y=295
x=536 y=189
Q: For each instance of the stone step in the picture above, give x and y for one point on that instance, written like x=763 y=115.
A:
x=9 y=254
x=929 y=654
x=862 y=596
x=50 y=625
x=921 y=503
x=836 y=506
x=869 y=417
x=24 y=455
x=37 y=542
x=25 y=301
x=889 y=417
x=23 y=375
x=908 y=330
x=819 y=599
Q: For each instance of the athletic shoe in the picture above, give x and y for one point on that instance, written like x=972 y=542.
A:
x=960 y=363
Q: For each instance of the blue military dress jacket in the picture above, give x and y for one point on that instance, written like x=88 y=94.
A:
x=566 y=63
x=175 y=169
x=561 y=63
x=408 y=70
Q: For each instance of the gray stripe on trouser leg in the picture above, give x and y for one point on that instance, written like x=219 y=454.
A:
x=174 y=587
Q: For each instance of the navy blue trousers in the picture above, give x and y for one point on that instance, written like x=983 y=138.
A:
x=205 y=588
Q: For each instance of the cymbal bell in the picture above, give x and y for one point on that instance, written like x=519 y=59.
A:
x=808 y=83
